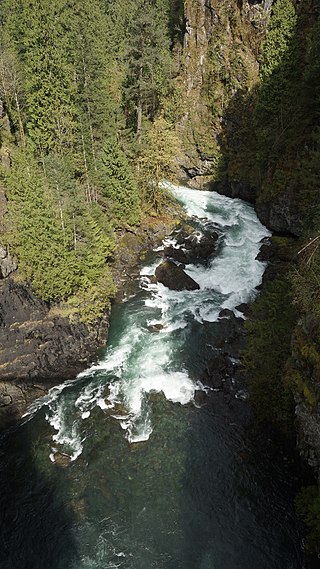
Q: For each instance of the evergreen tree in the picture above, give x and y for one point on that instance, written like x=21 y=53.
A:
x=158 y=161
x=11 y=89
x=280 y=33
x=43 y=246
x=40 y=34
x=118 y=185
x=149 y=61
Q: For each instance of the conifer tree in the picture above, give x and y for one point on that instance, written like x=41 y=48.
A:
x=118 y=185
x=44 y=248
x=280 y=32
x=40 y=34
x=149 y=62
x=158 y=161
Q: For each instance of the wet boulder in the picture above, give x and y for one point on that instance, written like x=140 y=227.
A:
x=193 y=247
x=174 y=277
x=244 y=309
x=226 y=313
x=178 y=255
x=201 y=246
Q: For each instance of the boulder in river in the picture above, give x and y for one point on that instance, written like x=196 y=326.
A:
x=193 y=247
x=173 y=277
x=178 y=255
x=201 y=246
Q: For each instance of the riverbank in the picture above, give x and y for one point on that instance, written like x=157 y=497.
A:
x=41 y=346
x=198 y=484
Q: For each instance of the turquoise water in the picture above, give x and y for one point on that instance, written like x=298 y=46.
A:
x=122 y=467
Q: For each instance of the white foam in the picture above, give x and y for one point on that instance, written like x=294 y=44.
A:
x=143 y=361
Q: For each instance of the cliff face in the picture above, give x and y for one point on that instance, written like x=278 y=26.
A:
x=236 y=147
x=305 y=370
x=243 y=133
x=221 y=46
x=38 y=348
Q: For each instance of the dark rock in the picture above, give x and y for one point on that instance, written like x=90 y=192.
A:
x=233 y=189
x=202 y=246
x=7 y=264
x=18 y=304
x=173 y=277
x=226 y=313
x=132 y=248
x=216 y=371
x=155 y=327
x=282 y=214
x=194 y=166
x=244 y=308
x=36 y=345
x=222 y=373
x=266 y=253
x=278 y=253
x=193 y=247
x=178 y=255
x=228 y=334
x=199 y=398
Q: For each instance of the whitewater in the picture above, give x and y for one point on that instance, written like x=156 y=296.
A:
x=146 y=355
x=138 y=463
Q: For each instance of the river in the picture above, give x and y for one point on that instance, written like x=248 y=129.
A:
x=126 y=466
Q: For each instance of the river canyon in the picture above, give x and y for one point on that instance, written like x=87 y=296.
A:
x=141 y=461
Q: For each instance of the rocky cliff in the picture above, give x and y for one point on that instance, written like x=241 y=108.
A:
x=40 y=346
x=221 y=48
x=271 y=164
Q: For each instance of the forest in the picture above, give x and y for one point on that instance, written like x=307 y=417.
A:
x=95 y=114
x=84 y=141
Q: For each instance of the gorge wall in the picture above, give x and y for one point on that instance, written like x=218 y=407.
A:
x=252 y=129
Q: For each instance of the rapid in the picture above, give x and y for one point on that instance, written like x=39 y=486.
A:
x=138 y=462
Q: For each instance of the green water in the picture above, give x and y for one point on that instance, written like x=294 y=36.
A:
x=123 y=467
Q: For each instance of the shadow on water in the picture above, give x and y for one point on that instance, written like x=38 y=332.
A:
x=237 y=495
x=35 y=524
x=237 y=505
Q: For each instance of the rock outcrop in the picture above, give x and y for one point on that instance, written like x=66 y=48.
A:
x=7 y=264
x=40 y=347
x=174 y=278
x=305 y=371
x=281 y=214
x=192 y=247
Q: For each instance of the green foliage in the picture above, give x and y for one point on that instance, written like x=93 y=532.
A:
x=92 y=301
x=149 y=61
x=40 y=34
x=76 y=76
x=44 y=249
x=118 y=185
x=57 y=253
x=158 y=161
x=308 y=508
x=280 y=33
x=273 y=143
x=269 y=336
x=306 y=277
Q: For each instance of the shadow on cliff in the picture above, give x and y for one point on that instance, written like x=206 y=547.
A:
x=35 y=525
x=270 y=139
